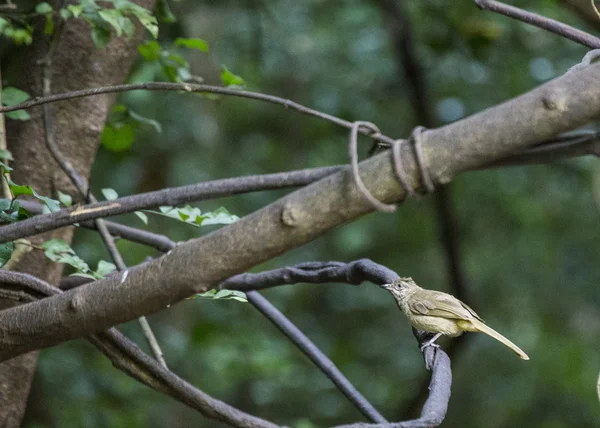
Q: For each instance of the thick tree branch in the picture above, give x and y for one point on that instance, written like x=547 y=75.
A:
x=564 y=147
x=200 y=264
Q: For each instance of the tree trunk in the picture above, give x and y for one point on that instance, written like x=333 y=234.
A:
x=78 y=125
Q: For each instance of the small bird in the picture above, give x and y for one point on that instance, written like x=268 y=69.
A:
x=441 y=313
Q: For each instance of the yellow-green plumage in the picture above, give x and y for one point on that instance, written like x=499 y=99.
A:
x=438 y=312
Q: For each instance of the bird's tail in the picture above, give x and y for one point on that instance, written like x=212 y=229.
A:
x=477 y=325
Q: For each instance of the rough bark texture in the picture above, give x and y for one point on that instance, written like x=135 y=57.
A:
x=77 y=63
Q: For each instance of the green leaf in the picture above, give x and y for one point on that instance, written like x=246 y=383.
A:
x=113 y=17
x=109 y=194
x=150 y=50
x=218 y=216
x=142 y=217
x=118 y=138
x=192 y=44
x=230 y=79
x=221 y=295
x=163 y=12
x=43 y=8
x=104 y=268
x=18 y=115
x=5 y=168
x=67 y=200
x=193 y=216
x=65 y=14
x=143 y=15
x=6 y=155
x=6 y=251
x=100 y=36
x=75 y=10
x=18 y=190
x=150 y=23
x=11 y=211
x=12 y=96
x=59 y=251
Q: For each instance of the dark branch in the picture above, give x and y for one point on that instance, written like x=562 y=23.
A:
x=542 y=22
x=354 y=273
x=173 y=196
x=434 y=410
x=314 y=353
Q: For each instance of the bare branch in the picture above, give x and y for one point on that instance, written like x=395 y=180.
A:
x=540 y=21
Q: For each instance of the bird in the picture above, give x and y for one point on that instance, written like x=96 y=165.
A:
x=441 y=313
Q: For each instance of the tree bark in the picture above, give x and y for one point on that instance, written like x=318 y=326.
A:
x=78 y=124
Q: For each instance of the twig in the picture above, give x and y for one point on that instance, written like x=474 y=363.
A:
x=172 y=196
x=188 y=87
x=540 y=21
x=82 y=186
x=131 y=360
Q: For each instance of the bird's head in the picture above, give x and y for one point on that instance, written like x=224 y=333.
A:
x=401 y=287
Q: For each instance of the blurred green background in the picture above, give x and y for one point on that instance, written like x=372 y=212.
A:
x=529 y=236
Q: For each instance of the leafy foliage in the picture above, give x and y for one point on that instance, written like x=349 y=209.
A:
x=174 y=67
x=59 y=251
x=6 y=250
x=231 y=80
x=221 y=295
x=21 y=33
x=192 y=215
x=18 y=190
x=12 y=96
x=102 y=19
x=119 y=131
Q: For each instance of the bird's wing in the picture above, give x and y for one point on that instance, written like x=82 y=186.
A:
x=438 y=304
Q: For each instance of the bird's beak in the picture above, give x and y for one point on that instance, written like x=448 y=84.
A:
x=386 y=286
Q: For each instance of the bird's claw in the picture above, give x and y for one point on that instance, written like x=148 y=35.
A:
x=425 y=345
